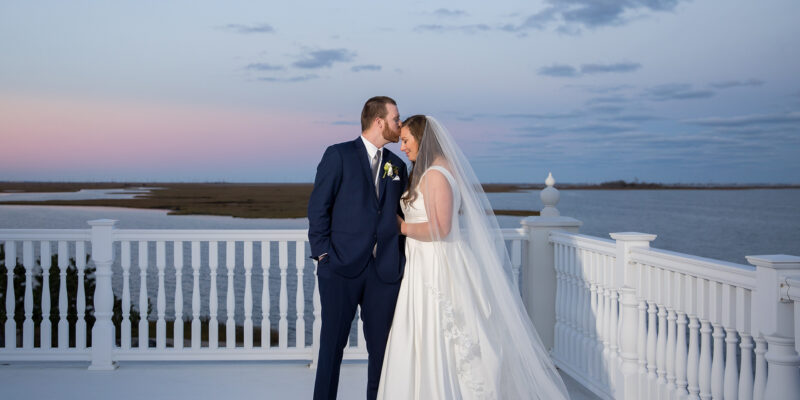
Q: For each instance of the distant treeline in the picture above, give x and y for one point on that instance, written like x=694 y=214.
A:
x=636 y=185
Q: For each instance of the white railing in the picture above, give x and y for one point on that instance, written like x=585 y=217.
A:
x=624 y=320
x=635 y=322
x=168 y=295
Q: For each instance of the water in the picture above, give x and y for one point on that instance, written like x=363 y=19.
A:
x=720 y=224
x=83 y=194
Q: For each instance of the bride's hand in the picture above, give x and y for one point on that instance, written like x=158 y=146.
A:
x=401 y=224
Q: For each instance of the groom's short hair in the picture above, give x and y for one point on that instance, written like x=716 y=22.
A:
x=374 y=108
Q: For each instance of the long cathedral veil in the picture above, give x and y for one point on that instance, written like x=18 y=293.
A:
x=509 y=342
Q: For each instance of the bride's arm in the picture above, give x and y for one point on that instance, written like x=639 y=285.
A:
x=438 y=198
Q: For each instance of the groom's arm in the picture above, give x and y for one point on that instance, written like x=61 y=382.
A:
x=320 y=204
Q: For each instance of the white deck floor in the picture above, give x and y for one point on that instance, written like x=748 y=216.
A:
x=182 y=380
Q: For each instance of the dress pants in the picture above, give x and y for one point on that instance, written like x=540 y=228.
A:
x=339 y=297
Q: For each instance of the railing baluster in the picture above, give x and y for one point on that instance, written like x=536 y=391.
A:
x=743 y=321
x=213 y=298
x=516 y=262
x=46 y=327
x=661 y=343
x=125 y=326
x=558 y=258
x=196 y=324
x=705 y=339
x=300 y=322
x=283 y=323
x=613 y=326
x=671 y=331
x=760 y=381
x=144 y=326
x=161 y=299
x=641 y=342
x=266 y=327
x=681 y=351
x=600 y=321
x=230 y=306
x=693 y=360
x=80 y=264
x=651 y=332
x=731 y=374
x=10 y=326
x=63 y=300
x=177 y=323
x=27 y=324
x=718 y=355
x=607 y=324
x=248 y=295
x=597 y=262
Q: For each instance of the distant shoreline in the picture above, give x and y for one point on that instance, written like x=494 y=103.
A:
x=276 y=200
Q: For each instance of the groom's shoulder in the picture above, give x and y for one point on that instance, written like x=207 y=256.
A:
x=343 y=146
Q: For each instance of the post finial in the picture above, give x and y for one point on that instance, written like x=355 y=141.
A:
x=550 y=197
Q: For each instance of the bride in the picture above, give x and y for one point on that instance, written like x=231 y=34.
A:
x=460 y=330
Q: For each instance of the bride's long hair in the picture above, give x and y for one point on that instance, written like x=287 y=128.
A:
x=416 y=124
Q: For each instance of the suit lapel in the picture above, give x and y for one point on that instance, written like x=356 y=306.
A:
x=384 y=179
x=361 y=152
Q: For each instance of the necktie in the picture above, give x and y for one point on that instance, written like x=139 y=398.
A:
x=376 y=162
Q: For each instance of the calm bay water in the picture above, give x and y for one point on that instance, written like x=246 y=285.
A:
x=720 y=224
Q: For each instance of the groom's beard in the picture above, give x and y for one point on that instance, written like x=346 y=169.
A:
x=390 y=135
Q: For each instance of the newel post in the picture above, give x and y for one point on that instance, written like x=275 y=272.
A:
x=774 y=320
x=538 y=273
x=625 y=279
x=103 y=329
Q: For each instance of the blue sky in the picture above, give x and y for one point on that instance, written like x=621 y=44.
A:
x=655 y=90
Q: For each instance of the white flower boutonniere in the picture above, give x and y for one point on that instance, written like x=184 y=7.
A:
x=391 y=170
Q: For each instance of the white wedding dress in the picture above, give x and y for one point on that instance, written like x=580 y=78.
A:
x=460 y=330
x=438 y=346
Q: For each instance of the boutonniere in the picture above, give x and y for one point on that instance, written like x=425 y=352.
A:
x=391 y=170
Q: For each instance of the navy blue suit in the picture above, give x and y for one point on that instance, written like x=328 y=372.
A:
x=346 y=219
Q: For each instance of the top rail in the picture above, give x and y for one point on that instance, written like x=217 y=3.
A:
x=739 y=275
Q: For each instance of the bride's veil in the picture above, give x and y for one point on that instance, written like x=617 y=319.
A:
x=460 y=216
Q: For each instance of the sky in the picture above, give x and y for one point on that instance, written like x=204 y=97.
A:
x=700 y=91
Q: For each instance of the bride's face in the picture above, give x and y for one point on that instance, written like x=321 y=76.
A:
x=408 y=144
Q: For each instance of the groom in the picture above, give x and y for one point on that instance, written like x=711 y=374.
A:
x=354 y=236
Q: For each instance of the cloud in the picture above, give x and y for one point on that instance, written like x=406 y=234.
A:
x=444 y=12
x=248 y=29
x=732 y=84
x=616 y=99
x=572 y=14
x=563 y=70
x=471 y=28
x=676 y=91
x=299 y=78
x=605 y=68
x=559 y=70
x=747 y=120
x=324 y=58
x=265 y=67
x=348 y=123
x=633 y=118
x=568 y=115
x=366 y=67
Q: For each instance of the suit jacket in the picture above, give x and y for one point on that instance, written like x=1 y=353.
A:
x=346 y=218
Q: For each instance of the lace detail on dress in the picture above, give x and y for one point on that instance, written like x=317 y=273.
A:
x=467 y=350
